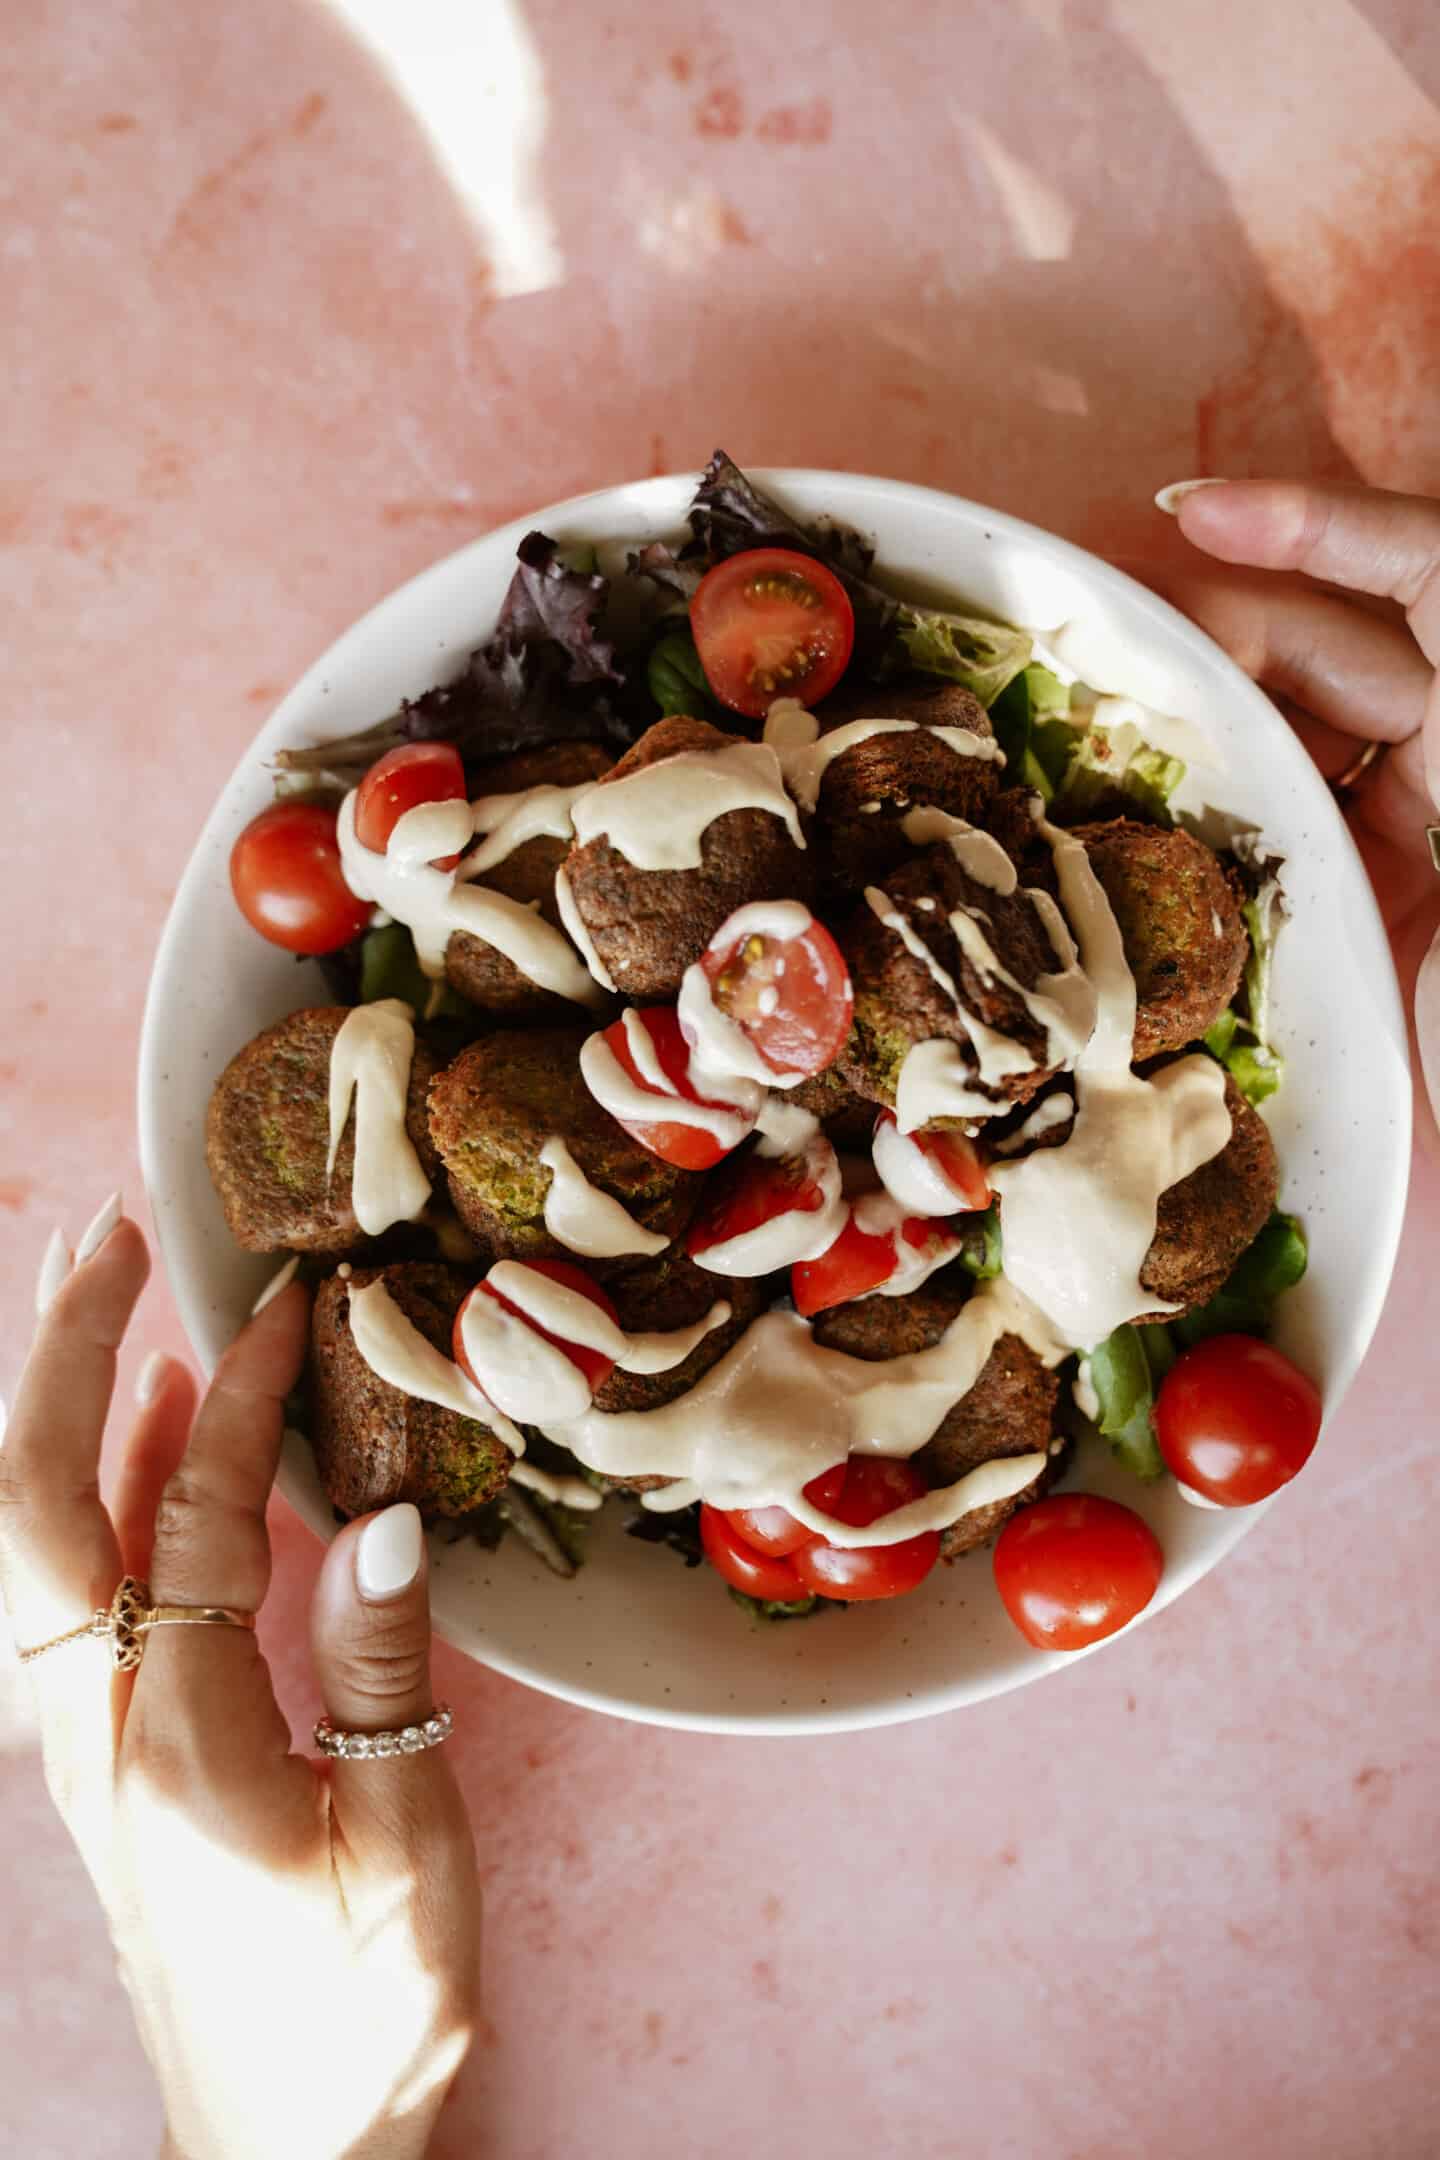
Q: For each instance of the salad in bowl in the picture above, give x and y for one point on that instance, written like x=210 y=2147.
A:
x=788 y=1087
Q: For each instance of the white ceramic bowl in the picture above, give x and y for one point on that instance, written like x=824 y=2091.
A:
x=636 y=1633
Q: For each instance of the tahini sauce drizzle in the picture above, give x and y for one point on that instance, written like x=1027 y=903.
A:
x=1079 y=1218
x=588 y=1221
x=797 y=1233
x=370 y=1062
x=804 y=753
x=657 y=816
x=433 y=903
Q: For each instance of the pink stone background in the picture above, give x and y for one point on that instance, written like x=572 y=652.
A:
x=262 y=362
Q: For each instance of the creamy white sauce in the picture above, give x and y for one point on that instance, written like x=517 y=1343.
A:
x=1061 y=1004
x=433 y=904
x=625 y=1099
x=805 y=754
x=1056 y=1110
x=428 y=831
x=880 y=1215
x=979 y=854
x=797 y=1233
x=662 y=1350
x=571 y=1492
x=657 y=816
x=565 y=1312
x=525 y=1376
x=909 y=1175
x=508 y=821
x=577 y=932
x=778 y=1409
x=1079 y=1219
x=935 y=1082
x=997 y=1057
x=721 y=1051
x=370 y=1061
x=586 y=1220
x=396 y=1352
x=1082 y=1392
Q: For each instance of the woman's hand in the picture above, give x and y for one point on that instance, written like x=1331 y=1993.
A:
x=1345 y=672
x=299 y=1939
x=1357 y=674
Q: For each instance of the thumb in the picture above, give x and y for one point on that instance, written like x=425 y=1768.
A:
x=370 y=1635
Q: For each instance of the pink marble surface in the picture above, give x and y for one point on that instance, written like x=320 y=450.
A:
x=264 y=359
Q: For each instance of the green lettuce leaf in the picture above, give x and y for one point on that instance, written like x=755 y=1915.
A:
x=982 y=656
x=765 y=1609
x=1028 y=719
x=980 y=1249
x=675 y=677
x=1099 y=766
x=389 y=969
x=1124 y=1382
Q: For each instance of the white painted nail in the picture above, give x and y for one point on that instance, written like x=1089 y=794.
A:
x=92 y=1239
x=54 y=1268
x=151 y=1378
x=4 y=1421
x=278 y=1282
x=388 y=1552
x=1170 y=498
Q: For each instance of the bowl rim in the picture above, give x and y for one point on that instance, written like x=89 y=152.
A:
x=670 y=493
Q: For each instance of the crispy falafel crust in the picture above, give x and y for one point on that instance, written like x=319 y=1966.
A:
x=1204 y=1223
x=267 y=1134
x=892 y=772
x=374 y=1445
x=476 y=969
x=649 y=925
x=492 y=1111
x=1009 y=1411
x=1184 y=935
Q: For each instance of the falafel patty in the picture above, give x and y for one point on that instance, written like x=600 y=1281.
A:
x=374 y=1444
x=491 y=1113
x=490 y=980
x=899 y=1002
x=1009 y=1411
x=267 y=1136
x=1204 y=1223
x=866 y=791
x=1184 y=935
x=649 y=925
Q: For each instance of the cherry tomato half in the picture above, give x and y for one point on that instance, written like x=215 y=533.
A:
x=416 y=773
x=1074 y=1568
x=859 y=1491
x=689 y=1147
x=771 y=623
x=791 y=996
x=954 y=1158
x=742 y=1566
x=857 y=1263
x=1236 y=1420
x=288 y=884
x=757 y=1191
x=595 y=1365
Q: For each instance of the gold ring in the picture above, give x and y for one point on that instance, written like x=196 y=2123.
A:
x=1365 y=761
x=1432 y=834
x=128 y=1618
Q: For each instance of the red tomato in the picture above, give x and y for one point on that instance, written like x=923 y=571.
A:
x=422 y=772
x=791 y=996
x=687 y=1146
x=957 y=1161
x=860 y=1491
x=742 y=1566
x=757 y=1191
x=859 y=1261
x=770 y=1530
x=1074 y=1568
x=1236 y=1420
x=288 y=884
x=771 y=623
x=855 y=1264
x=595 y=1365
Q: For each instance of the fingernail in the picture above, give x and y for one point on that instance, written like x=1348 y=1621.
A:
x=1170 y=498
x=54 y=1268
x=4 y=1421
x=151 y=1378
x=278 y=1282
x=92 y=1239
x=388 y=1552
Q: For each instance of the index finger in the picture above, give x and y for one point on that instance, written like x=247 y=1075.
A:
x=1365 y=539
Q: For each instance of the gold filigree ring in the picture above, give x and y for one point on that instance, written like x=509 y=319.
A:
x=128 y=1618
